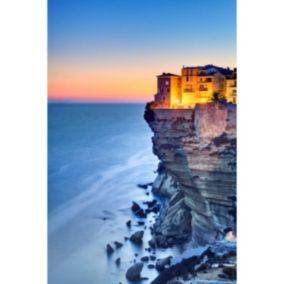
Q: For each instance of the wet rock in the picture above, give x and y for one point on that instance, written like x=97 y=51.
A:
x=156 y=208
x=117 y=261
x=152 y=243
x=118 y=244
x=137 y=237
x=144 y=186
x=140 y=223
x=137 y=210
x=230 y=272
x=135 y=207
x=152 y=257
x=134 y=272
x=109 y=249
x=147 y=211
x=145 y=259
x=141 y=213
x=162 y=263
x=126 y=238
x=150 y=204
x=151 y=266
x=128 y=223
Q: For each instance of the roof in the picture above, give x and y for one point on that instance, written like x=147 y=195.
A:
x=211 y=69
x=168 y=74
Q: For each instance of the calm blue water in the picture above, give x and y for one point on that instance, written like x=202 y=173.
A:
x=86 y=140
x=97 y=154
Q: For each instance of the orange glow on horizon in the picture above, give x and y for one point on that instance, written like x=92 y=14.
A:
x=100 y=85
x=111 y=79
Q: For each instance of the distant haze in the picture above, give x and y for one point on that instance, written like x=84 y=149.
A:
x=109 y=50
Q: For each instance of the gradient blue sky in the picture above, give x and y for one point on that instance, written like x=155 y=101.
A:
x=111 y=50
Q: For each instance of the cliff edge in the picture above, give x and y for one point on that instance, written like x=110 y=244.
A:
x=197 y=173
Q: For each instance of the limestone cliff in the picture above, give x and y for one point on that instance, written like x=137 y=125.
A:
x=197 y=173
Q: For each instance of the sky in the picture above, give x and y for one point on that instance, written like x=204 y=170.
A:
x=112 y=50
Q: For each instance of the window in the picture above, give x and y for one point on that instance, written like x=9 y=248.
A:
x=188 y=90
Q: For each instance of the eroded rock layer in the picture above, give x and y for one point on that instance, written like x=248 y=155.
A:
x=197 y=174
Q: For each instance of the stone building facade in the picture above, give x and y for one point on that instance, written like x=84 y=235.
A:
x=195 y=85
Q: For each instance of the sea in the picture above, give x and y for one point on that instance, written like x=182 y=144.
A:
x=97 y=154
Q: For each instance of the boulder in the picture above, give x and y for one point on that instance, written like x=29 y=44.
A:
x=137 y=210
x=135 y=207
x=162 y=263
x=142 y=185
x=117 y=261
x=145 y=258
x=133 y=273
x=137 y=237
x=118 y=244
x=109 y=249
x=141 y=213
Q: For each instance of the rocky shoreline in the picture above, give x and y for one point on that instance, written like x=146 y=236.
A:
x=216 y=261
x=194 y=198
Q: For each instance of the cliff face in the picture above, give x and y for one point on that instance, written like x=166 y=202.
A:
x=197 y=173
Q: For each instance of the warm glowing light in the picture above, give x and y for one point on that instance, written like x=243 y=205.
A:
x=230 y=236
x=195 y=86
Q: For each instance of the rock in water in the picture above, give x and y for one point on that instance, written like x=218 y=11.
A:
x=162 y=263
x=118 y=244
x=142 y=185
x=128 y=223
x=141 y=213
x=137 y=237
x=145 y=258
x=117 y=261
x=137 y=210
x=135 y=207
x=109 y=249
x=133 y=273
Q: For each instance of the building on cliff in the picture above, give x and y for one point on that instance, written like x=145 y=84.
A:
x=195 y=85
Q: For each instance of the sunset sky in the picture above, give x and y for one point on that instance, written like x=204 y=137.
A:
x=112 y=50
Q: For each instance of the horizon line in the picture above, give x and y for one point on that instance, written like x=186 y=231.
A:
x=93 y=102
